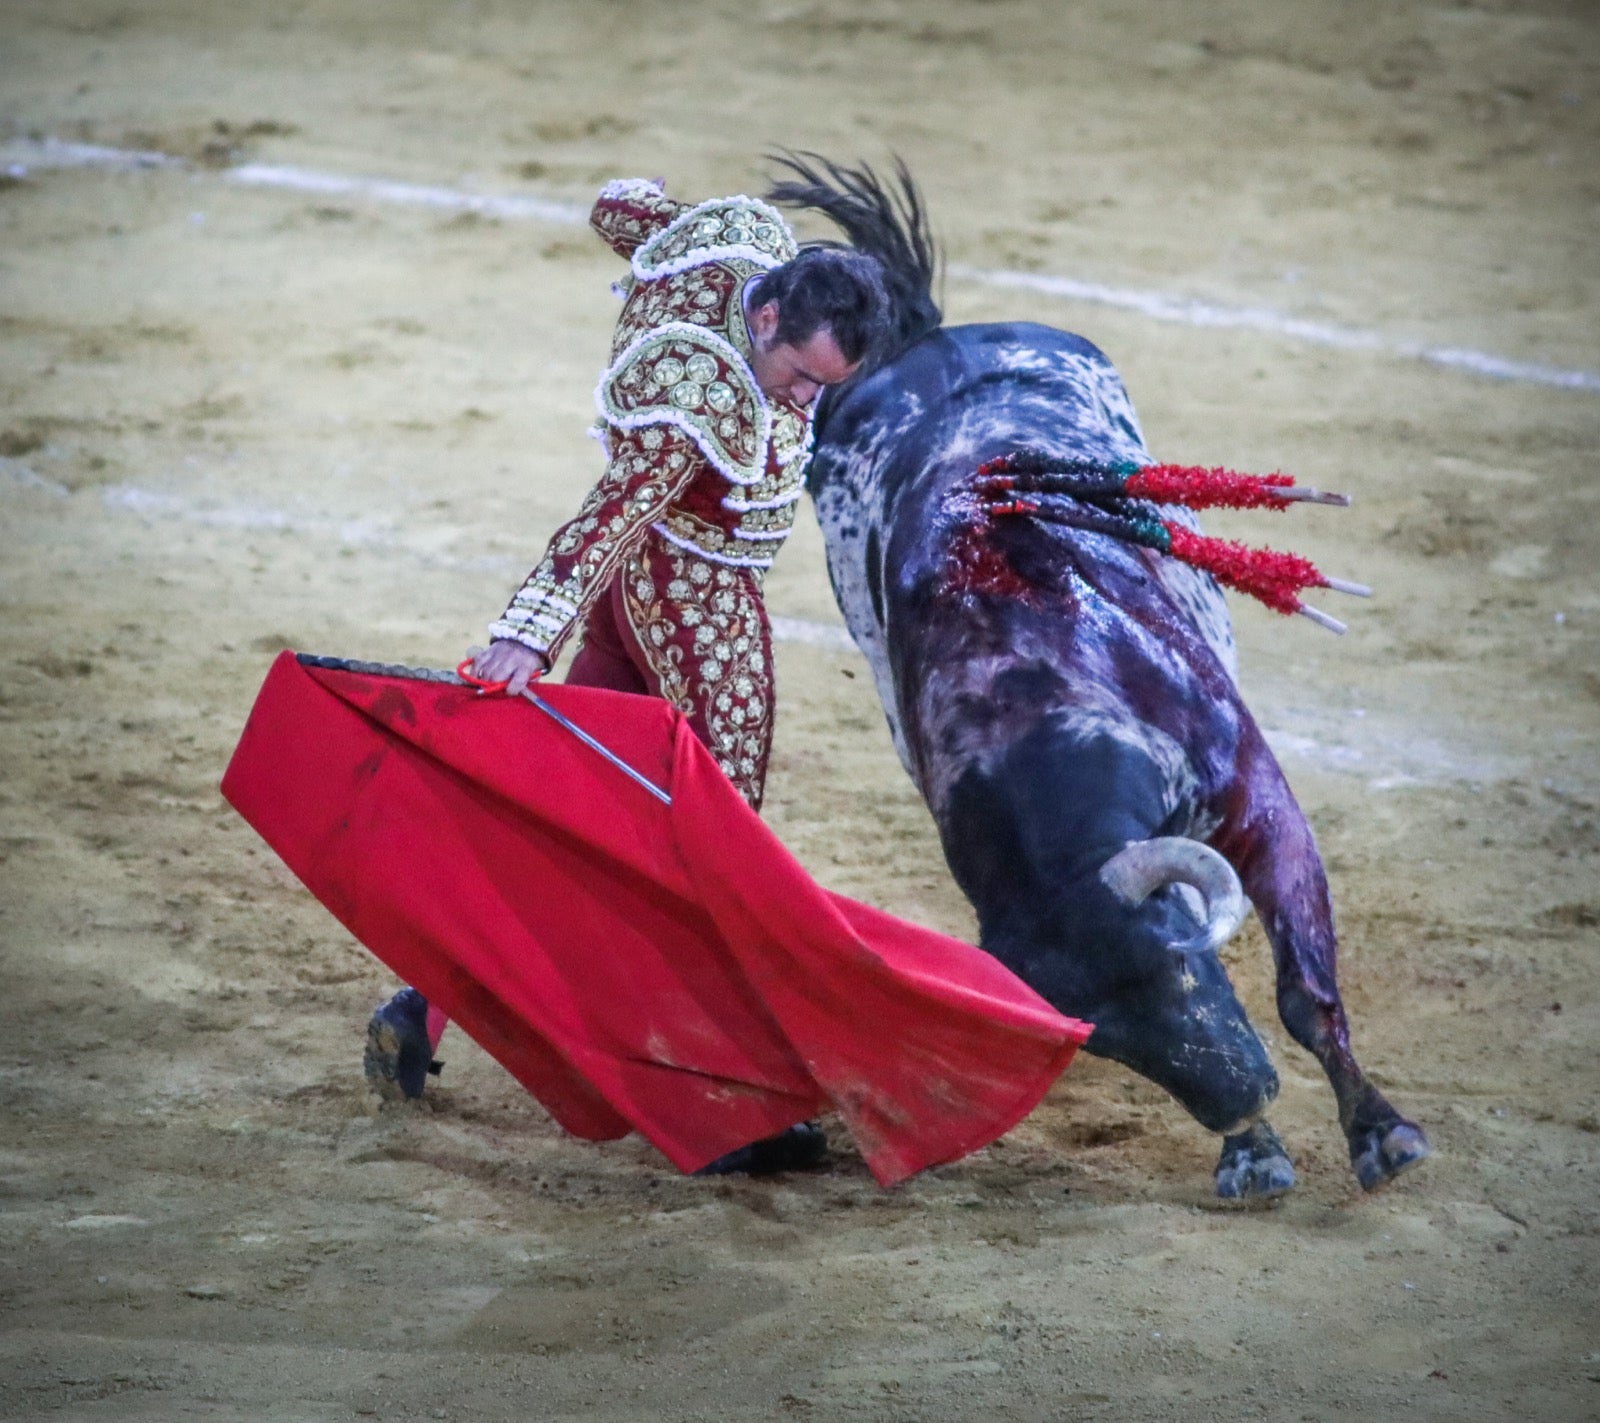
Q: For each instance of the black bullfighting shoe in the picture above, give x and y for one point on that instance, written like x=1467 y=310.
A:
x=798 y=1149
x=399 y=1058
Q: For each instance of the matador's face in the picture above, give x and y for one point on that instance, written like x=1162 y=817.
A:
x=794 y=372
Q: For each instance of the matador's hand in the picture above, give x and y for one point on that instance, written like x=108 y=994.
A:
x=509 y=662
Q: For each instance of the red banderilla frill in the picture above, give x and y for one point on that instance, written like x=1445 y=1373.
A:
x=1112 y=499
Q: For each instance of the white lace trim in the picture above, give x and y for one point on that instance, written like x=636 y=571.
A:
x=557 y=620
x=509 y=632
x=560 y=604
x=703 y=257
x=672 y=415
x=621 y=187
x=744 y=506
x=699 y=256
x=732 y=560
x=543 y=597
x=804 y=447
x=549 y=621
x=761 y=535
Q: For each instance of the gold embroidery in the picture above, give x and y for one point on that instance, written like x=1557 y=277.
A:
x=705 y=636
x=630 y=211
x=581 y=559
x=706 y=232
x=664 y=377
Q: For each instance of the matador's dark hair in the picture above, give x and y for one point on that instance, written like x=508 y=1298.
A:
x=828 y=287
x=885 y=220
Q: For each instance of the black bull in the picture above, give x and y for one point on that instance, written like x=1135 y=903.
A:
x=1058 y=695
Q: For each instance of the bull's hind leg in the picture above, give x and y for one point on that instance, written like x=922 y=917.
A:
x=1270 y=844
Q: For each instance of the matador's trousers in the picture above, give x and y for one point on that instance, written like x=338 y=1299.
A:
x=679 y=626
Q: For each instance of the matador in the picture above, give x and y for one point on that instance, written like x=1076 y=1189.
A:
x=726 y=336
x=728 y=333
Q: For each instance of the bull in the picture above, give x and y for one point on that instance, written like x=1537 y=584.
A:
x=1067 y=705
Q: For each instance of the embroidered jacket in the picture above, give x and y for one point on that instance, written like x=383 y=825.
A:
x=698 y=455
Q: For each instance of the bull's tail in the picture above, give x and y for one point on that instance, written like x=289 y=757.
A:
x=886 y=220
x=1142 y=867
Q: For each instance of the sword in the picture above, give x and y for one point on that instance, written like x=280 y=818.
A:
x=455 y=679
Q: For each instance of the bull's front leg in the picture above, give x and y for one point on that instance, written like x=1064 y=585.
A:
x=1266 y=838
x=1254 y=1165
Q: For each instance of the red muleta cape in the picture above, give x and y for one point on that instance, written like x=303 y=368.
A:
x=670 y=970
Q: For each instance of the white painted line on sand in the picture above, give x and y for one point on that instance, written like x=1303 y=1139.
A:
x=384 y=190
x=828 y=635
x=22 y=154
x=1396 y=760
x=157 y=506
x=1189 y=312
x=31 y=479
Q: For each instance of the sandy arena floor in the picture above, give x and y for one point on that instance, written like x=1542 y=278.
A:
x=240 y=417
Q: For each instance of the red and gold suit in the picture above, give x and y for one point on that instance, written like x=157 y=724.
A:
x=664 y=562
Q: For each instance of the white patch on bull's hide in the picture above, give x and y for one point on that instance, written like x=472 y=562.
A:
x=1199 y=596
x=849 y=510
x=1119 y=437
x=1019 y=359
x=952 y=740
x=1105 y=427
x=1110 y=394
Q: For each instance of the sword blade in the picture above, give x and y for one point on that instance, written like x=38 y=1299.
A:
x=594 y=745
x=439 y=674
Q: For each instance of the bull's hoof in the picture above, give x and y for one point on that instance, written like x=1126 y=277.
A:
x=1254 y=1165
x=1382 y=1154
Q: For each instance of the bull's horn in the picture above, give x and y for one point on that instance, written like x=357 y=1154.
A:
x=1142 y=867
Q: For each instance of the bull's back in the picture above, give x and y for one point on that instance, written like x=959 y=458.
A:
x=894 y=459
x=998 y=385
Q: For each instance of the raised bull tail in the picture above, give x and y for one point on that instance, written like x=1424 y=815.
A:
x=1142 y=867
x=886 y=220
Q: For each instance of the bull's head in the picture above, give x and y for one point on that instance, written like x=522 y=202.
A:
x=1170 y=1012
x=1047 y=836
